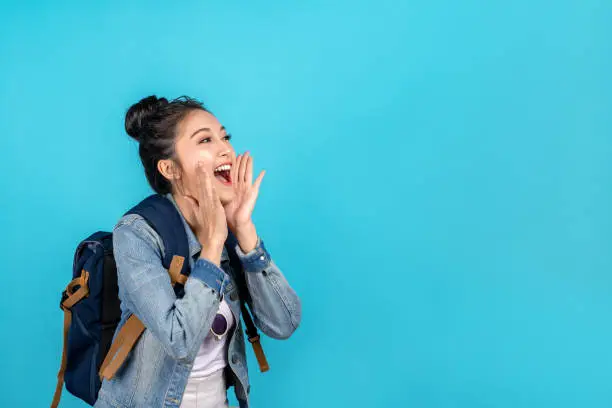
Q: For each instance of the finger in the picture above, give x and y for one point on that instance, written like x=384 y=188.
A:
x=211 y=191
x=235 y=167
x=213 y=195
x=254 y=192
x=200 y=184
x=220 y=207
x=192 y=206
x=180 y=186
x=204 y=183
x=191 y=202
x=258 y=181
x=249 y=171
x=242 y=168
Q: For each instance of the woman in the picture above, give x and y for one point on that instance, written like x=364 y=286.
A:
x=193 y=347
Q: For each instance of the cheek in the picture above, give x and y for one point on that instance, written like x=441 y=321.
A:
x=190 y=183
x=190 y=154
x=204 y=156
x=191 y=159
x=189 y=164
x=193 y=156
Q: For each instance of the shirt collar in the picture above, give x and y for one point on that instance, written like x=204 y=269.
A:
x=194 y=245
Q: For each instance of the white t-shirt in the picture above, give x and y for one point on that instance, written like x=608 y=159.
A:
x=212 y=355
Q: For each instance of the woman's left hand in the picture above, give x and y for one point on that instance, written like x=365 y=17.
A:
x=239 y=211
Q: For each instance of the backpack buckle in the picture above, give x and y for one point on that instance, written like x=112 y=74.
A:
x=76 y=290
x=64 y=297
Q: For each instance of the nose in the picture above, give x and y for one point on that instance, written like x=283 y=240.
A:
x=223 y=147
x=225 y=152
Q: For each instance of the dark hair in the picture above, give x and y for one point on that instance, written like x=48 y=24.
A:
x=153 y=123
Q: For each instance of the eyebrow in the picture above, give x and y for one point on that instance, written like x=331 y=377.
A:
x=204 y=130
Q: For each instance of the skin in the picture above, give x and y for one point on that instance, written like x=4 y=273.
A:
x=201 y=145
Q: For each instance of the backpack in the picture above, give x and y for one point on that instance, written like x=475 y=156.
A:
x=92 y=311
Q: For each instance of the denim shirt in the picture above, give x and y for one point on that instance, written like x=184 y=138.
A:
x=156 y=371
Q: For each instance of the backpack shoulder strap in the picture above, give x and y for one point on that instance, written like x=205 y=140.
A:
x=245 y=297
x=164 y=218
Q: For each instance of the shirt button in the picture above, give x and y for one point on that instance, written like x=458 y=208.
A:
x=262 y=257
x=234 y=359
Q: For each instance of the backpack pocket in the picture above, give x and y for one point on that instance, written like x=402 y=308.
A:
x=82 y=369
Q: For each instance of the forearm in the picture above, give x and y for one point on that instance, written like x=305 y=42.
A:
x=179 y=324
x=275 y=305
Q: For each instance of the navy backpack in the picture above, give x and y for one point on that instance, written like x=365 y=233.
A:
x=92 y=307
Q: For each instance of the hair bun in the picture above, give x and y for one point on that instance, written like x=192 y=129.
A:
x=140 y=113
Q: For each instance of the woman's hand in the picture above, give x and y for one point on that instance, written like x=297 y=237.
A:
x=208 y=216
x=239 y=211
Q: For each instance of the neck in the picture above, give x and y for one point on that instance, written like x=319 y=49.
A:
x=184 y=208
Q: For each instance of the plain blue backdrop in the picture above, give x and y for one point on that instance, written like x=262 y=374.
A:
x=439 y=184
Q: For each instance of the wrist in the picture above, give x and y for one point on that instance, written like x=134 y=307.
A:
x=211 y=250
x=247 y=237
x=211 y=254
x=211 y=241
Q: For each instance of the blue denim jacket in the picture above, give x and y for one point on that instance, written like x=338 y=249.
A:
x=156 y=371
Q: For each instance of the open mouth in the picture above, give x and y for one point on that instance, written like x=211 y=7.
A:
x=222 y=173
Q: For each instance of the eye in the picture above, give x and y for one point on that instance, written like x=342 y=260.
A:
x=204 y=140
x=228 y=137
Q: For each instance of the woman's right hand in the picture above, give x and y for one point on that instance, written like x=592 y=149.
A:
x=208 y=216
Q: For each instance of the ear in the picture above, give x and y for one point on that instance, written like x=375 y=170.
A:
x=168 y=169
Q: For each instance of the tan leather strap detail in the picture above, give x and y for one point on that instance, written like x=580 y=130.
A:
x=80 y=293
x=259 y=353
x=70 y=301
x=60 y=375
x=175 y=270
x=133 y=328
x=121 y=347
x=80 y=281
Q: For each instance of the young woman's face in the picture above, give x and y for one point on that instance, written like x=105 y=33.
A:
x=202 y=139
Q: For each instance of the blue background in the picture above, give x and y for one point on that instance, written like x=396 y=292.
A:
x=438 y=189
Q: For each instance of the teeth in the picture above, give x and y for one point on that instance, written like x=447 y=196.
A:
x=225 y=167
